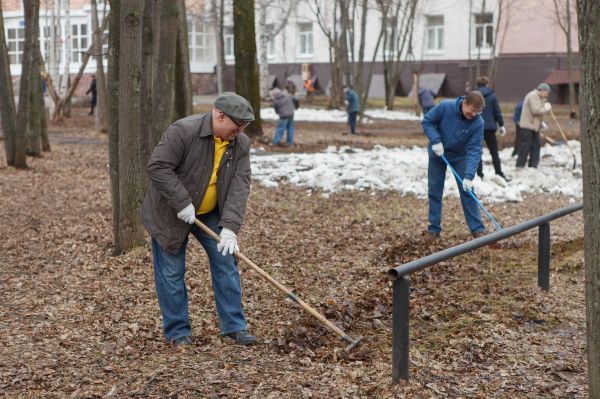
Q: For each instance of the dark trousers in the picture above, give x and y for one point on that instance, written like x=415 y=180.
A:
x=352 y=121
x=492 y=144
x=529 y=146
x=517 y=138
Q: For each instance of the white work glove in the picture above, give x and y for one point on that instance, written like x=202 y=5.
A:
x=187 y=214
x=544 y=126
x=547 y=107
x=228 y=242
x=438 y=149
x=502 y=131
x=467 y=185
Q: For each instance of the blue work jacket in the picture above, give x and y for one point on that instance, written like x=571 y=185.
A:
x=460 y=136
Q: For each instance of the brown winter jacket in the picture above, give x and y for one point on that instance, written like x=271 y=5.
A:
x=180 y=169
x=533 y=111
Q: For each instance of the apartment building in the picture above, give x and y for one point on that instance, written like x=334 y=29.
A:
x=450 y=38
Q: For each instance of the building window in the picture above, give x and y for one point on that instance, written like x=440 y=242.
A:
x=306 y=38
x=200 y=40
x=46 y=40
x=79 y=42
x=435 y=33
x=484 y=30
x=271 y=43
x=15 y=40
x=228 y=39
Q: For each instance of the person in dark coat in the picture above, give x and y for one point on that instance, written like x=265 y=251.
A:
x=516 y=117
x=285 y=105
x=352 y=107
x=492 y=118
x=92 y=90
x=426 y=99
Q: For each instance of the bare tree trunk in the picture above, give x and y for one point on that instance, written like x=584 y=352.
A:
x=343 y=35
x=131 y=179
x=263 y=41
x=36 y=113
x=572 y=100
x=66 y=78
x=148 y=61
x=25 y=88
x=8 y=113
x=183 y=76
x=470 y=62
x=478 y=63
x=503 y=19
x=246 y=67
x=42 y=107
x=113 y=116
x=589 y=47
x=100 y=77
x=218 y=9
x=164 y=79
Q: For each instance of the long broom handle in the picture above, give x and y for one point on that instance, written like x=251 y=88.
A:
x=279 y=286
x=563 y=134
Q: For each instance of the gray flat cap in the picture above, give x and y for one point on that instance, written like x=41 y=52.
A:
x=543 y=86
x=235 y=106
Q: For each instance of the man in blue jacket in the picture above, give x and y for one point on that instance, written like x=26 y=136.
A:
x=454 y=129
x=492 y=119
x=352 y=107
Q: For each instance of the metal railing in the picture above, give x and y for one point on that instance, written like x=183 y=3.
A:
x=401 y=288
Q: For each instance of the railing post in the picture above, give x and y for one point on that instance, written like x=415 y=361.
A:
x=400 y=319
x=544 y=257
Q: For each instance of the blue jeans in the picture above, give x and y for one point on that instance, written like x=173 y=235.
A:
x=436 y=174
x=284 y=124
x=169 y=273
x=352 y=121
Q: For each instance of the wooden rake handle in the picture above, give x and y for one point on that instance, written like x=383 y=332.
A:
x=282 y=288
x=562 y=133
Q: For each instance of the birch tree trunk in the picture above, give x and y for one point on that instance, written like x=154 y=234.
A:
x=246 y=68
x=8 y=113
x=589 y=47
x=263 y=40
x=131 y=179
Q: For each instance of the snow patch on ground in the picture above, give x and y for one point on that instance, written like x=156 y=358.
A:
x=334 y=115
x=405 y=170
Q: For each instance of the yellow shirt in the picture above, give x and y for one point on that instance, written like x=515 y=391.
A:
x=209 y=202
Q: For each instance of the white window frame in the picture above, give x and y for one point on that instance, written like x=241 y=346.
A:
x=434 y=34
x=228 y=42
x=200 y=38
x=483 y=26
x=78 y=40
x=19 y=44
x=306 y=44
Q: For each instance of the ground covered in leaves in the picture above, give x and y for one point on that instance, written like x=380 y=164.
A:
x=78 y=322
